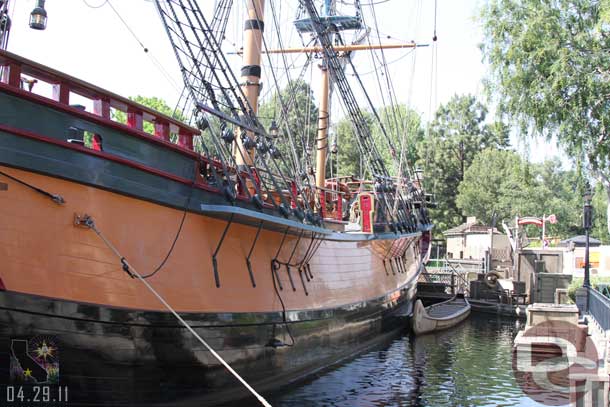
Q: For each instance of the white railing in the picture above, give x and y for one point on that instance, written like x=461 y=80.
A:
x=456 y=274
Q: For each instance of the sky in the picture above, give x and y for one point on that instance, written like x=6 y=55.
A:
x=86 y=39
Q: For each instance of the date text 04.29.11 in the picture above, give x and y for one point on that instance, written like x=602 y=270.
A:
x=36 y=395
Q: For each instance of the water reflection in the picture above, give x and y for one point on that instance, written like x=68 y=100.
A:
x=469 y=365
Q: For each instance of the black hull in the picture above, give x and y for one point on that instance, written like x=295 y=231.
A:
x=113 y=356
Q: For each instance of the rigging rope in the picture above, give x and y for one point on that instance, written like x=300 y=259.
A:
x=88 y=222
x=153 y=59
x=58 y=199
x=171 y=249
x=191 y=36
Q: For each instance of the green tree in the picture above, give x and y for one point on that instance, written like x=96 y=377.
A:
x=404 y=130
x=559 y=195
x=500 y=182
x=549 y=72
x=152 y=102
x=296 y=115
x=457 y=133
x=497 y=182
x=600 y=214
x=350 y=159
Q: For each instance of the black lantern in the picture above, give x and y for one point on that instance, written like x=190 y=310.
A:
x=38 y=17
x=273 y=130
x=587 y=220
x=334 y=149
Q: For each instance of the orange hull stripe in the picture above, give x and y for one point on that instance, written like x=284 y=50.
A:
x=45 y=254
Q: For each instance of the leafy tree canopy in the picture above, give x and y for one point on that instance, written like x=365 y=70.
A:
x=499 y=182
x=549 y=71
x=296 y=114
x=154 y=103
x=457 y=133
x=403 y=129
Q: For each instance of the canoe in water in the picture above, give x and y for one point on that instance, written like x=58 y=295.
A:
x=439 y=316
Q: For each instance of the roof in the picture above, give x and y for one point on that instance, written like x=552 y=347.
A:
x=580 y=240
x=464 y=228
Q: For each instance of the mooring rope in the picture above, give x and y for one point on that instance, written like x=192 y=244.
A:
x=87 y=221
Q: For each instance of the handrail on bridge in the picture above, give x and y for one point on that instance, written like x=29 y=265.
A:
x=599 y=308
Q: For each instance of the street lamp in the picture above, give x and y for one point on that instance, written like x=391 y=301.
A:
x=587 y=220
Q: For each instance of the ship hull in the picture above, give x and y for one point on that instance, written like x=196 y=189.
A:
x=277 y=298
x=146 y=358
x=117 y=342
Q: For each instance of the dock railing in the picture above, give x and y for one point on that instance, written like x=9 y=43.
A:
x=599 y=308
x=456 y=274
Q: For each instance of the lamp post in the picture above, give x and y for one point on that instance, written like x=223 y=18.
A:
x=587 y=221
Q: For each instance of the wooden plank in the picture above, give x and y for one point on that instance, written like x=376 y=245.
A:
x=61 y=93
x=101 y=107
x=135 y=119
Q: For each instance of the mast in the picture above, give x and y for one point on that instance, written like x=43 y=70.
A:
x=323 y=121
x=251 y=73
x=323 y=115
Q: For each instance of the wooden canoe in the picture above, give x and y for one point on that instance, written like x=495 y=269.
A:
x=439 y=316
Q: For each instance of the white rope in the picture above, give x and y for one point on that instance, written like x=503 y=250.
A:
x=88 y=221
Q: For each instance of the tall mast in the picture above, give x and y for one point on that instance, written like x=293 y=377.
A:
x=251 y=71
x=323 y=113
x=323 y=122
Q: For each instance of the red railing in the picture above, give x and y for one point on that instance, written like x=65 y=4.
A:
x=19 y=75
x=14 y=66
x=331 y=196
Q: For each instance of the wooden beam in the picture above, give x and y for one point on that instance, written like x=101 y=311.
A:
x=342 y=48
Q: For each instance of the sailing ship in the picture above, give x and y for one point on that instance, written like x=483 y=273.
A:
x=110 y=233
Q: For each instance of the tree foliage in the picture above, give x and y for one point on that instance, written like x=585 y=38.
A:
x=457 y=133
x=350 y=160
x=152 y=102
x=500 y=183
x=600 y=214
x=403 y=129
x=296 y=114
x=549 y=71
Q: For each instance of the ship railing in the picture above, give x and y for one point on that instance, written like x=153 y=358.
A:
x=26 y=75
x=28 y=79
x=331 y=203
x=454 y=273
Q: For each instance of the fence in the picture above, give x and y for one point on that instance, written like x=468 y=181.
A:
x=599 y=308
x=455 y=274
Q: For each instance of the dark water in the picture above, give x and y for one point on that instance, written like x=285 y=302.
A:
x=469 y=365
